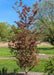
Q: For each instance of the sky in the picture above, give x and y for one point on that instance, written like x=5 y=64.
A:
x=7 y=13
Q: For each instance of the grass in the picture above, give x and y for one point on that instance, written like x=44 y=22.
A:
x=5 y=52
x=40 y=67
x=10 y=64
x=49 y=50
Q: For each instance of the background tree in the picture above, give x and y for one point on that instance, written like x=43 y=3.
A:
x=46 y=18
x=24 y=43
x=6 y=31
x=3 y=31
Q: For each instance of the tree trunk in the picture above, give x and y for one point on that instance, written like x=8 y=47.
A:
x=26 y=72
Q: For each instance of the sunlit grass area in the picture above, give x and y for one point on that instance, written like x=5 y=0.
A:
x=10 y=64
x=5 y=52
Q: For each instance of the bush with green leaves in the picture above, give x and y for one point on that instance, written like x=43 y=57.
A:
x=49 y=66
x=0 y=72
x=3 y=71
x=15 y=71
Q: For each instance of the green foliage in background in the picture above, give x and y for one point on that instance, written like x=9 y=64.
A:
x=3 y=31
x=6 y=31
x=46 y=18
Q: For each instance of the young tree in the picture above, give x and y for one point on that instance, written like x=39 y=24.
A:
x=24 y=43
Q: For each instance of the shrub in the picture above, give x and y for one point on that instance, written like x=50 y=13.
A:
x=0 y=72
x=15 y=71
x=49 y=66
x=3 y=71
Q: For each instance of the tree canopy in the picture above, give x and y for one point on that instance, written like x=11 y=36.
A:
x=25 y=43
x=46 y=18
x=5 y=31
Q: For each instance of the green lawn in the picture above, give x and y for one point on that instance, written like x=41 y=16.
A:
x=10 y=64
x=5 y=52
x=49 y=50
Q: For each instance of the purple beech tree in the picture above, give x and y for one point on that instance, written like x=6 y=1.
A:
x=25 y=43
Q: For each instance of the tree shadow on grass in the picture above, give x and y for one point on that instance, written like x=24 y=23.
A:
x=50 y=48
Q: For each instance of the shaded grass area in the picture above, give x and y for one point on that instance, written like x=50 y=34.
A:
x=5 y=52
x=10 y=64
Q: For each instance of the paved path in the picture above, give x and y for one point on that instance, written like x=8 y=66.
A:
x=7 y=57
x=42 y=56
x=29 y=73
